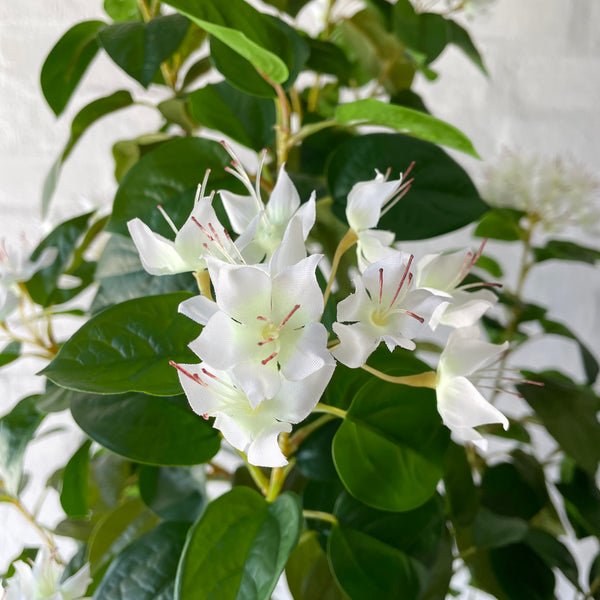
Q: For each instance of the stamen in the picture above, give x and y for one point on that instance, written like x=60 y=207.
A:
x=477 y=254
x=402 y=280
x=269 y=358
x=267 y=341
x=289 y=316
x=396 y=196
x=262 y=318
x=497 y=389
x=408 y=170
x=380 y=284
x=203 y=229
x=193 y=376
x=235 y=248
x=204 y=183
x=417 y=317
x=261 y=162
x=167 y=218
x=480 y=284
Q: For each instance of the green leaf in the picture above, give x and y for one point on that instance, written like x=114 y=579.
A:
x=244 y=29
x=9 y=353
x=442 y=197
x=43 y=287
x=127 y=348
x=147 y=429
x=169 y=176
x=563 y=250
x=389 y=449
x=83 y=119
x=122 y=276
x=127 y=152
x=461 y=493
x=73 y=496
x=367 y=568
x=501 y=224
x=590 y=364
x=173 y=493
x=246 y=119
x=459 y=36
x=17 y=429
x=146 y=569
x=27 y=555
x=307 y=572
x=67 y=62
x=199 y=68
x=582 y=502
x=175 y=110
x=492 y=266
x=239 y=546
x=568 y=412
x=313 y=458
x=140 y=48
x=406 y=120
x=122 y=10
x=326 y=57
x=491 y=530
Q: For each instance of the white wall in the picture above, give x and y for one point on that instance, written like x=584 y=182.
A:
x=542 y=97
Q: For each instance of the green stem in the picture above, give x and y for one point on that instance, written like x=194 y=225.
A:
x=426 y=379
x=330 y=410
x=259 y=478
x=320 y=515
x=278 y=477
x=308 y=130
x=349 y=239
x=301 y=434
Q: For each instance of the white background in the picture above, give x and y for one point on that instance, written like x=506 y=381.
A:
x=541 y=98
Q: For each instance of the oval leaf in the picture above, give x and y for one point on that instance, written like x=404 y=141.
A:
x=147 y=429
x=67 y=62
x=442 y=197
x=389 y=450
x=406 y=120
x=239 y=547
x=127 y=348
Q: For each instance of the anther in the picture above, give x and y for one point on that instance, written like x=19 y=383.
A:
x=380 y=284
x=289 y=316
x=269 y=358
x=404 y=275
x=417 y=317
x=193 y=376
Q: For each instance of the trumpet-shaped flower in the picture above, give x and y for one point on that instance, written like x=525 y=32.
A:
x=368 y=201
x=252 y=428
x=461 y=367
x=262 y=324
x=383 y=308
x=202 y=235
x=267 y=223
x=40 y=581
x=442 y=275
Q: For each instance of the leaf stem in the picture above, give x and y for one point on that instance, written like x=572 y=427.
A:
x=330 y=410
x=259 y=478
x=301 y=434
x=320 y=515
x=349 y=239
x=426 y=379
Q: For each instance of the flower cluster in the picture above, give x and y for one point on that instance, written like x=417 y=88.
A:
x=265 y=355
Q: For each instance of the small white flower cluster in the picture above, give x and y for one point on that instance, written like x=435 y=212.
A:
x=41 y=580
x=264 y=352
x=554 y=193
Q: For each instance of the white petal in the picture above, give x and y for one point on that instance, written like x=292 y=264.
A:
x=467 y=308
x=264 y=451
x=75 y=586
x=356 y=306
x=45 y=259
x=198 y=308
x=356 y=344
x=240 y=210
x=462 y=406
x=306 y=354
x=442 y=271
x=232 y=432
x=8 y=303
x=292 y=249
x=307 y=214
x=365 y=201
x=158 y=254
x=374 y=245
x=258 y=381
x=198 y=395
x=284 y=199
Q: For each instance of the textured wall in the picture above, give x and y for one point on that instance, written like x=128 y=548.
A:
x=542 y=97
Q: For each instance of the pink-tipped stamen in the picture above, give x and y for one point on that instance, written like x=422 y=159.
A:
x=289 y=316
x=409 y=169
x=262 y=318
x=193 y=376
x=403 y=279
x=417 y=317
x=267 y=341
x=269 y=358
x=203 y=229
x=380 y=284
x=167 y=218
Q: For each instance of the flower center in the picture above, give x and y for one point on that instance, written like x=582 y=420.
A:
x=379 y=317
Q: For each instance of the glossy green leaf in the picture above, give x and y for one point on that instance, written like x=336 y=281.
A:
x=140 y=48
x=460 y=37
x=83 y=119
x=313 y=458
x=461 y=493
x=9 y=353
x=442 y=197
x=127 y=348
x=239 y=546
x=73 y=496
x=43 y=287
x=67 y=62
x=146 y=569
x=17 y=429
x=367 y=568
x=246 y=119
x=173 y=493
x=242 y=28
x=491 y=530
x=590 y=364
x=564 y=250
x=122 y=10
x=169 y=176
x=568 y=412
x=406 y=120
x=389 y=450
x=326 y=57
x=501 y=224
x=127 y=152
x=308 y=574
x=122 y=276
x=582 y=502
x=199 y=68
x=594 y=577
x=176 y=110
x=292 y=7
x=147 y=429
x=55 y=398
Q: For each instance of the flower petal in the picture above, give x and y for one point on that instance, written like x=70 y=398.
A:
x=467 y=308
x=284 y=200
x=198 y=308
x=240 y=210
x=365 y=201
x=305 y=354
x=76 y=586
x=356 y=344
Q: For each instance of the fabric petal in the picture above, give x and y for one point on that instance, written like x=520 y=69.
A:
x=356 y=344
x=467 y=308
x=284 y=199
x=240 y=210
x=365 y=201
x=292 y=249
x=258 y=381
x=306 y=354
x=264 y=450
x=198 y=308
x=75 y=586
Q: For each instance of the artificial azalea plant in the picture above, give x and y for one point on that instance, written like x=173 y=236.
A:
x=255 y=296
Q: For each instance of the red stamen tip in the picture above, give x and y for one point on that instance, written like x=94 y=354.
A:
x=289 y=316
x=417 y=317
x=269 y=358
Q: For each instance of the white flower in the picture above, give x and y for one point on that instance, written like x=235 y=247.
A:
x=41 y=581
x=442 y=274
x=556 y=193
x=262 y=227
x=262 y=324
x=252 y=428
x=367 y=202
x=383 y=308
x=201 y=235
x=460 y=404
